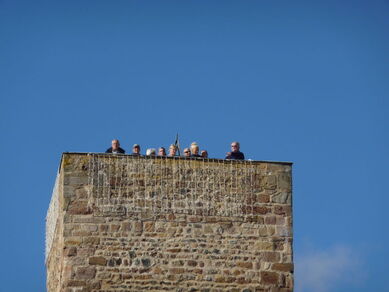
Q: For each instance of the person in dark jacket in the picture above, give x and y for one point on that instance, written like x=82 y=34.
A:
x=194 y=149
x=204 y=154
x=115 y=147
x=235 y=154
x=186 y=152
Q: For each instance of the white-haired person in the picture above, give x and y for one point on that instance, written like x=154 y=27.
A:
x=235 y=153
x=115 y=147
x=194 y=149
x=172 y=150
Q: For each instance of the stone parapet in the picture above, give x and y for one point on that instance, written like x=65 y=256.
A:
x=52 y=217
x=130 y=223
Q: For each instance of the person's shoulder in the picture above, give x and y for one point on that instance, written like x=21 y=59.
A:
x=109 y=150
x=121 y=150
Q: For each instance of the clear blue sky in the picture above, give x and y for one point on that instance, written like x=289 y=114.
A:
x=300 y=81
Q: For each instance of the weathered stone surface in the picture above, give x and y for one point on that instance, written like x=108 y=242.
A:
x=283 y=267
x=79 y=207
x=283 y=231
x=124 y=223
x=70 y=251
x=269 y=278
x=246 y=265
x=281 y=198
x=101 y=261
x=85 y=273
x=264 y=198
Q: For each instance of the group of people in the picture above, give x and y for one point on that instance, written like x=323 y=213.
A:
x=192 y=151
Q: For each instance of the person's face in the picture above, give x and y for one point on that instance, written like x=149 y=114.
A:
x=234 y=147
x=115 y=144
x=204 y=154
x=172 y=151
x=136 y=150
x=195 y=150
x=161 y=152
x=187 y=153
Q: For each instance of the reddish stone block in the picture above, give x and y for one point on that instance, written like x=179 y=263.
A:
x=282 y=210
x=149 y=226
x=220 y=279
x=79 y=208
x=103 y=228
x=260 y=210
x=171 y=217
x=246 y=265
x=282 y=267
x=264 y=198
x=177 y=270
x=192 y=263
x=269 y=278
x=271 y=220
x=194 y=219
x=100 y=261
x=174 y=250
x=114 y=227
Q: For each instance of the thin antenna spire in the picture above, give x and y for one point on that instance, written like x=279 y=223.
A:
x=177 y=144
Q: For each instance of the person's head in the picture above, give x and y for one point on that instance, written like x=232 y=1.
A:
x=150 y=152
x=115 y=144
x=136 y=149
x=235 y=146
x=194 y=148
x=187 y=152
x=204 y=153
x=161 y=151
x=172 y=150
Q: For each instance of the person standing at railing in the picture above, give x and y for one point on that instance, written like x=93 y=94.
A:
x=136 y=149
x=115 y=148
x=172 y=150
x=235 y=153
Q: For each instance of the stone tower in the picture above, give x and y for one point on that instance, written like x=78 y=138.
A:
x=127 y=223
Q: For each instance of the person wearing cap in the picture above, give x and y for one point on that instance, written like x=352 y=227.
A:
x=136 y=149
x=235 y=154
x=194 y=149
x=172 y=150
x=115 y=147
x=150 y=152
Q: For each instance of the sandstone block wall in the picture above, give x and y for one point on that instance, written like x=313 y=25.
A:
x=125 y=223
